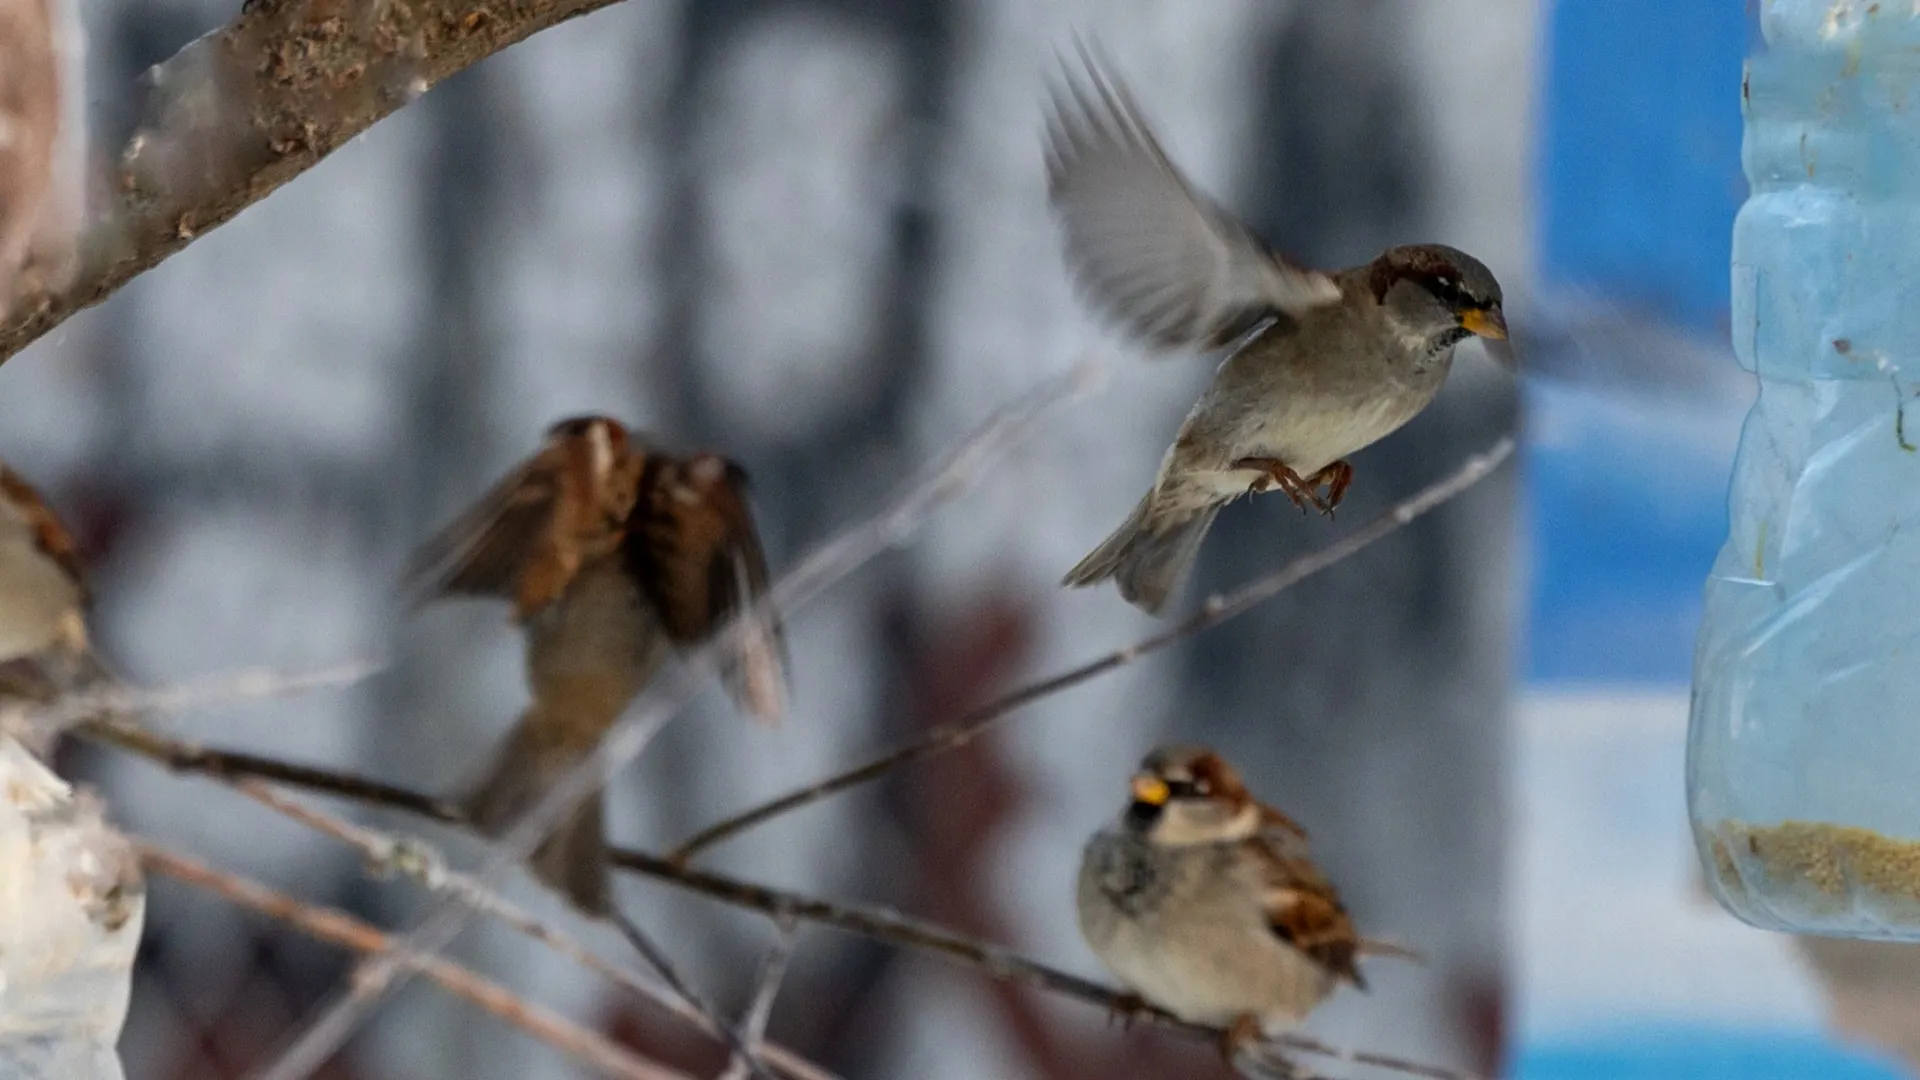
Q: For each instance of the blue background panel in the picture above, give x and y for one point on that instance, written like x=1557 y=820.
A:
x=1640 y=150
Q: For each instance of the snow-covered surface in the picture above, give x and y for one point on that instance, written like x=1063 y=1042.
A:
x=72 y=903
x=1614 y=929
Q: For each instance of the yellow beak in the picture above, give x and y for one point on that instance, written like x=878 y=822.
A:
x=1486 y=322
x=1150 y=790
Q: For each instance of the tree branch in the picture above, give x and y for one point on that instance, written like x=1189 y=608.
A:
x=874 y=923
x=107 y=709
x=245 y=109
x=767 y=987
x=1216 y=610
x=413 y=858
x=344 y=930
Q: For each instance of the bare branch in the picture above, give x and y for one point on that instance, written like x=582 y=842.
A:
x=416 y=859
x=339 y=928
x=873 y=923
x=105 y=709
x=232 y=766
x=772 y=970
x=738 y=1044
x=1216 y=610
x=249 y=107
x=839 y=557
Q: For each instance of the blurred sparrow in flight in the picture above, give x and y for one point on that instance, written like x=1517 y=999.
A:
x=612 y=552
x=1322 y=364
x=1204 y=903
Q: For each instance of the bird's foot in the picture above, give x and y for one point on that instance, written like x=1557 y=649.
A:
x=1278 y=474
x=1127 y=1007
x=1337 y=477
x=1239 y=1036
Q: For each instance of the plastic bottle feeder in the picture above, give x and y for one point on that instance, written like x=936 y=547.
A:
x=1803 y=764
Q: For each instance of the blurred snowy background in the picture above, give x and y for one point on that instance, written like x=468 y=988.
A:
x=814 y=235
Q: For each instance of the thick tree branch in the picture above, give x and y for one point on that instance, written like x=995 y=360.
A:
x=245 y=109
x=1216 y=610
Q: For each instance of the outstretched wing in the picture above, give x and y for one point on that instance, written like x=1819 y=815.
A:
x=1150 y=249
x=695 y=551
x=526 y=538
x=487 y=550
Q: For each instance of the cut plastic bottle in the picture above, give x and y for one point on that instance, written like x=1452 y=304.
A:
x=1803 y=770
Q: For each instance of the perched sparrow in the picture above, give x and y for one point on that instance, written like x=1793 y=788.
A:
x=612 y=552
x=1203 y=901
x=1323 y=364
x=43 y=591
x=44 y=647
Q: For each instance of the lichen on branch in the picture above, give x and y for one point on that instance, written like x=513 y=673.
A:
x=239 y=112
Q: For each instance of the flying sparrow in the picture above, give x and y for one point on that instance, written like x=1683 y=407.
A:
x=1322 y=364
x=612 y=552
x=1203 y=901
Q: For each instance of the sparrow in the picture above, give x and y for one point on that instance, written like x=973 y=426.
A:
x=45 y=650
x=1203 y=901
x=613 y=552
x=1320 y=364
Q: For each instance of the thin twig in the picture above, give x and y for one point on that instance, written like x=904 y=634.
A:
x=773 y=969
x=339 y=928
x=236 y=114
x=414 y=858
x=738 y=1044
x=839 y=557
x=117 y=700
x=1216 y=610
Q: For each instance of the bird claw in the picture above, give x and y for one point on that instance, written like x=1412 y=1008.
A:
x=1128 y=1007
x=1302 y=490
x=1240 y=1035
x=1337 y=477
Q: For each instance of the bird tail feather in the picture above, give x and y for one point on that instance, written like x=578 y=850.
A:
x=1147 y=560
x=573 y=859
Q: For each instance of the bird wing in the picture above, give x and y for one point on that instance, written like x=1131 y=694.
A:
x=1303 y=910
x=1150 y=249
x=49 y=536
x=1271 y=818
x=527 y=537
x=696 y=553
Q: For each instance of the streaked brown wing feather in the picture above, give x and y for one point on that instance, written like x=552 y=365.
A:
x=489 y=548
x=1303 y=909
x=697 y=555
